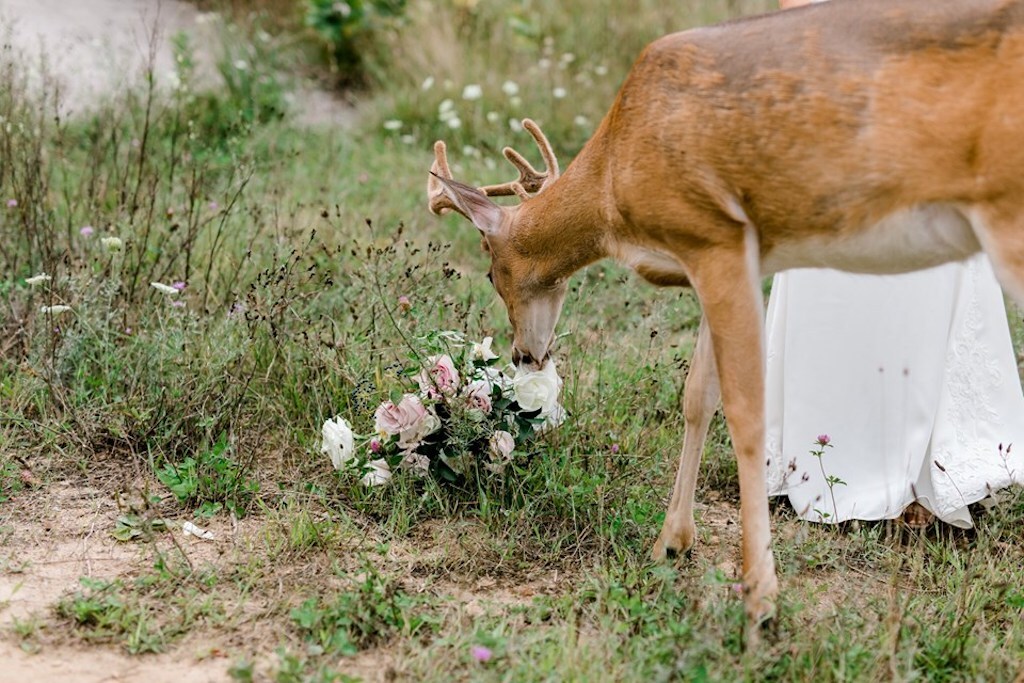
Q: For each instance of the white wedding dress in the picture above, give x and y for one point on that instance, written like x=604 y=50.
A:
x=913 y=378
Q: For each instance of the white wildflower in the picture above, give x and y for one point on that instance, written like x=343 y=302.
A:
x=515 y=125
x=54 y=310
x=408 y=139
x=510 y=88
x=392 y=124
x=472 y=92
x=37 y=279
x=241 y=64
x=454 y=123
x=166 y=289
x=427 y=84
x=338 y=442
x=515 y=101
x=559 y=93
x=112 y=243
x=493 y=117
x=601 y=70
x=581 y=121
x=544 y=63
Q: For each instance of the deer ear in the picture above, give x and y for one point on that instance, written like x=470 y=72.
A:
x=473 y=204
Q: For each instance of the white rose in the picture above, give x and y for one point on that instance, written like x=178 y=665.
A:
x=378 y=474
x=482 y=351
x=339 y=442
x=537 y=390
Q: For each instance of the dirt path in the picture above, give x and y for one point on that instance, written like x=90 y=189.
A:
x=97 y=46
x=47 y=543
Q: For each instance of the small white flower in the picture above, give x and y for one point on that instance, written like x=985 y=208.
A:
x=472 y=92
x=568 y=58
x=510 y=88
x=338 y=442
x=241 y=64
x=427 y=84
x=54 y=310
x=515 y=101
x=559 y=93
x=581 y=121
x=601 y=70
x=515 y=125
x=447 y=105
x=493 y=117
x=392 y=124
x=544 y=63
x=378 y=474
x=37 y=279
x=166 y=289
x=470 y=151
x=112 y=243
x=408 y=139
x=454 y=123
x=482 y=351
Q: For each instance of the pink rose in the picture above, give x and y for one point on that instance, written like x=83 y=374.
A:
x=501 y=445
x=392 y=420
x=440 y=376
x=478 y=395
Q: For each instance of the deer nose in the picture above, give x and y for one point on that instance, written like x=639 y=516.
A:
x=520 y=358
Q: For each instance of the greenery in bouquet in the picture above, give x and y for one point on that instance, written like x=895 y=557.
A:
x=459 y=413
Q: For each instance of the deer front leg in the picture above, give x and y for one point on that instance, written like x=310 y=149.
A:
x=700 y=398
x=726 y=280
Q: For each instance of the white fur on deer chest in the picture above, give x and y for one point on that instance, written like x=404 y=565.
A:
x=924 y=236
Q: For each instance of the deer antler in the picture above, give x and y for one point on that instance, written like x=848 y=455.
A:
x=530 y=181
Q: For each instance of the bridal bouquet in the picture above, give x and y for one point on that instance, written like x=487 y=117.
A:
x=461 y=411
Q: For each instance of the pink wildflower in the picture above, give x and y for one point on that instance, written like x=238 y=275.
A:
x=480 y=653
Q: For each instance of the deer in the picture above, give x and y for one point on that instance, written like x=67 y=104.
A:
x=871 y=136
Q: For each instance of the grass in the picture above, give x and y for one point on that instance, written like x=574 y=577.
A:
x=294 y=246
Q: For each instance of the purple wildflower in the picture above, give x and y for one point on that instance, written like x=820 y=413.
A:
x=179 y=285
x=481 y=653
x=824 y=439
x=86 y=231
x=11 y=203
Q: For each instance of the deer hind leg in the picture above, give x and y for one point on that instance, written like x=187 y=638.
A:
x=727 y=281
x=700 y=399
x=1000 y=229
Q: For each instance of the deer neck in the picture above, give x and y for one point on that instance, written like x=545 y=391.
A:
x=565 y=227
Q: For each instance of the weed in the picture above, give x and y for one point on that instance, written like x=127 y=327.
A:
x=368 y=615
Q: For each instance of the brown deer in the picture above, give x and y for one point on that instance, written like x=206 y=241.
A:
x=876 y=136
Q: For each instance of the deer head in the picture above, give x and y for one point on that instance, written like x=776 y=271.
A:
x=527 y=279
